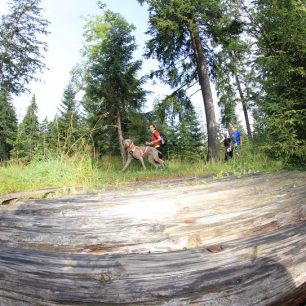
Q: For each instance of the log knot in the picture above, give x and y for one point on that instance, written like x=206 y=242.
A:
x=105 y=277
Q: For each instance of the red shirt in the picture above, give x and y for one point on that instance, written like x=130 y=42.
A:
x=155 y=136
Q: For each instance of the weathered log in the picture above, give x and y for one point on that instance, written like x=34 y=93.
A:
x=229 y=242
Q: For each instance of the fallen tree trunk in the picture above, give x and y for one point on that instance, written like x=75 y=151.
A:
x=230 y=242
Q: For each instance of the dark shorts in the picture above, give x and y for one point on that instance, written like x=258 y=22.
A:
x=162 y=150
x=228 y=154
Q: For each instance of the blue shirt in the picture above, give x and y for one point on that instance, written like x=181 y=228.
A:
x=235 y=136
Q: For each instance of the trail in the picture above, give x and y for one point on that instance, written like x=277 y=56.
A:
x=233 y=241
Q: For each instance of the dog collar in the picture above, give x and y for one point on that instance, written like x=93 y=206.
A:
x=131 y=148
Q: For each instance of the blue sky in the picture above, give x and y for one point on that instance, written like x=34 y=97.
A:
x=65 y=42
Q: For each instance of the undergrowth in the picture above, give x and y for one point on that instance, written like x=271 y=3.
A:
x=82 y=171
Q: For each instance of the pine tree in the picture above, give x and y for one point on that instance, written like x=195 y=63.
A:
x=176 y=116
x=8 y=126
x=227 y=97
x=190 y=136
x=233 y=76
x=280 y=30
x=68 y=121
x=54 y=134
x=45 y=139
x=29 y=132
x=181 y=40
x=113 y=93
x=20 y=45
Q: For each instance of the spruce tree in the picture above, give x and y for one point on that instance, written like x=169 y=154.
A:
x=181 y=40
x=113 y=93
x=29 y=132
x=21 y=47
x=233 y=75
x=280 y=30
x=8 y=126
x=189 y=138
x=45 y=139
x=68 y=120
x=176 y=116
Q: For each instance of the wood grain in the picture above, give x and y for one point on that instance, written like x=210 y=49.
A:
x=198 y=242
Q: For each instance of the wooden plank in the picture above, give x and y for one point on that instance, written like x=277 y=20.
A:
x=231 y=242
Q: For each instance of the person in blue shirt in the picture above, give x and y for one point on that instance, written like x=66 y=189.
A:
x=235 y=136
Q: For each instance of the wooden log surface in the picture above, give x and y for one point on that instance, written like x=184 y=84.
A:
x=235 y=241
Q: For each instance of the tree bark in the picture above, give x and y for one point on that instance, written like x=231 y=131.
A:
x=120 y=137
x=213 y=148
x=127 y=247
x=245 y=111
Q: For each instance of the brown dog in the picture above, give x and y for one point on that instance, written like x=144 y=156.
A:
x=138 y=153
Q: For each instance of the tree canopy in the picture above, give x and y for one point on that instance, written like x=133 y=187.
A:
x=21 y=47
x=252 y=52
x=181 y=42
x=113 y=92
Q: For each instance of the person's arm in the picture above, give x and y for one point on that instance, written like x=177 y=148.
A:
x=157 y=139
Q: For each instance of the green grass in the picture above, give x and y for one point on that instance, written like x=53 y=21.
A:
x=80 y=171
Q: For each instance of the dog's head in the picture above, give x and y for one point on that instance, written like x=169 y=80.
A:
x=127 y=143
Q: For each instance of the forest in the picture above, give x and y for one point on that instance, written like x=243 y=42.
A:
x=253 y=52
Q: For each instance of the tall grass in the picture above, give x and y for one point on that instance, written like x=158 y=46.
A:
x=82 y=171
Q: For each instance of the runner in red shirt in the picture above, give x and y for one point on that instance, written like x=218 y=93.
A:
x=156 y=139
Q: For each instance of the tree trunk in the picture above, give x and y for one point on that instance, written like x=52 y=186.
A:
x=245 y=111
x=213 y=148
x=120 y=137
x=126 y=247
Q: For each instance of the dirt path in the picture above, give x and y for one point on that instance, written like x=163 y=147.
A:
x=201 y=242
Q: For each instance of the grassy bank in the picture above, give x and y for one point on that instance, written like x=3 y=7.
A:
x=79 y=171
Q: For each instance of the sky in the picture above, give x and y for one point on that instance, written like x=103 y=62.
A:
x=65 y=40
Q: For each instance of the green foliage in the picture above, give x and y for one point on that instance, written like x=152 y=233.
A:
x=232 y=74
x=255 y=52
x=81 y=171
x=45 y=140
x=8 y=126
x=175 y=115
x=181 y=42
x=227 y=96
x=189 y=139
x=68 y=122
x=136 y=127
x=281 y=114
x=114 y=96
x=20 y=45
x=27 y=142
x=171 y=42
